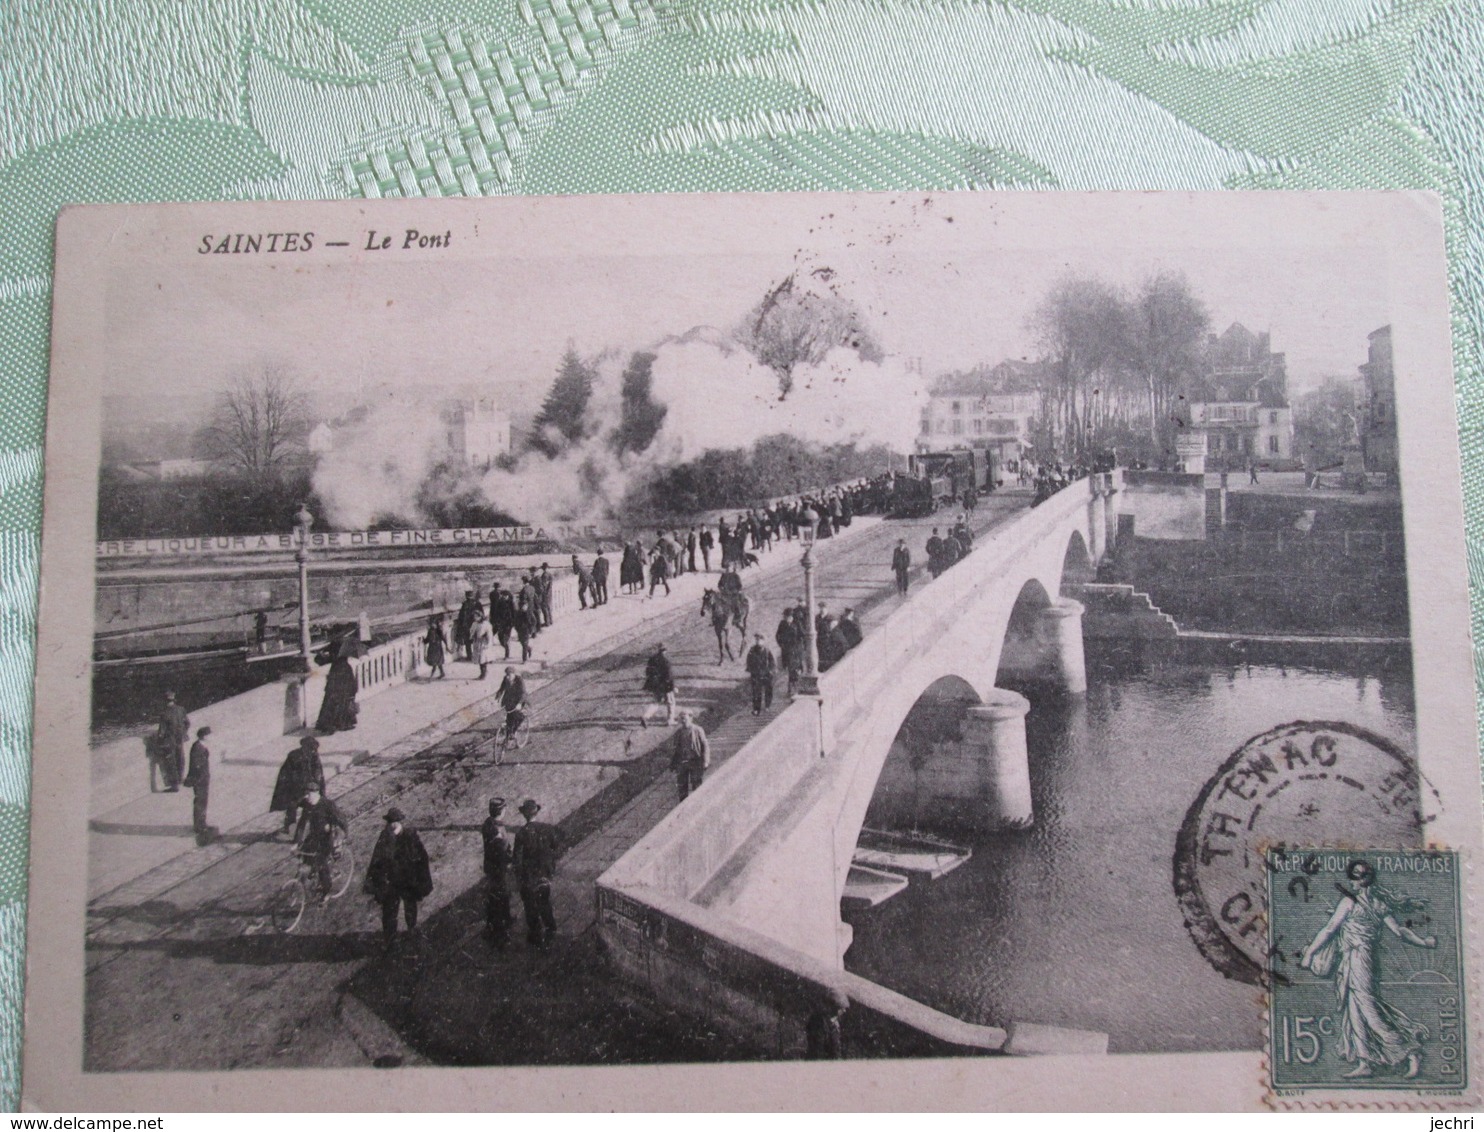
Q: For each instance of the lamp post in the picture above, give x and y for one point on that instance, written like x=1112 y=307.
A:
x=809 y=681
x=302 y=522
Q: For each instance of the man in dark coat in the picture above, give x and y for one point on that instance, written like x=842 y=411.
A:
x=544 y=581
x=706 y=541
x=497 y=914
x=849 y=629
x=502 y=616
x=398 y=874
x=316 y=835
x=461 y=623
x=600 y=578
x=301 y=769
x=659 y=571
x=172 y=729
x=762 y=666
x=901 y=564
x=659 y=682
x=534 y=860
x=690 y=550
x=525 y=629
x=198 y=778
x=528 y=600
x=935 y=553
x=790 y=650
x=584 y=584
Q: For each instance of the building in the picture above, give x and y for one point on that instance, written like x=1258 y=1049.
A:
x=1376 y=406
x=1241 y=400
x=477 y=432
x=984 y=408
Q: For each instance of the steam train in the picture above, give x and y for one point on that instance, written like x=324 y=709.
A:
x=937 y=478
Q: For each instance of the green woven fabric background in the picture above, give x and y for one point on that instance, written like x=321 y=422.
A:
x=133 y=100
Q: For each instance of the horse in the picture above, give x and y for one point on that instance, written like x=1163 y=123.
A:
x=725 y=612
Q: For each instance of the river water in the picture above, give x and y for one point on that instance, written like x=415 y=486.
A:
x=1075 y=922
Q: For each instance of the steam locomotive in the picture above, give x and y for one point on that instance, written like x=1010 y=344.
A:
x=934 y=479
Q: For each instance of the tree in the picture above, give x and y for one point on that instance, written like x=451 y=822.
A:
x=640 y=415
x=1082 y=327
x=1324 y=421
x=562 y=419
x=796 y=325
x=1165 y=332
x=259 y=425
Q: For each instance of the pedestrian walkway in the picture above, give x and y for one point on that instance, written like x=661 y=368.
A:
x=146 y=842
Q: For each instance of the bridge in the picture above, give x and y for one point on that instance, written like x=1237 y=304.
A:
x=730 y=907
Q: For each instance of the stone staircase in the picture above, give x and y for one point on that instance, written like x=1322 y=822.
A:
x=1119 y=610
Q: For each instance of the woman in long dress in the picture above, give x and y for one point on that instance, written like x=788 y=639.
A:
x=338 y=711
x=436 y=644
x=1372 y=1031
x=631 y=569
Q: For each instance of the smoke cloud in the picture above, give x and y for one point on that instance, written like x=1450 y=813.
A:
x=821 y=378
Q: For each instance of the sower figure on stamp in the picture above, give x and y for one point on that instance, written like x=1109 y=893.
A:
x=198 y=778
x=497 y=914
x=691 y=755
x=301 y=769
x=172 y=729
x=534 y=860
x=398 y=874
x=1372 y=1031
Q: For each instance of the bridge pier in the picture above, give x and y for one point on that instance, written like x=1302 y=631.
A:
x=1110 y=514
x=994 y=746
x=1097 y=529
x=1061 y=635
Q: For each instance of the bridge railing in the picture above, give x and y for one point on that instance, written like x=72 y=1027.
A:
x=662 y=905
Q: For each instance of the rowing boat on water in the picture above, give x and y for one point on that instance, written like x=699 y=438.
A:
x=909 y=852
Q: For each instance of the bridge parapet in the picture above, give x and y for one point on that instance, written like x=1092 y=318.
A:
x=757 y=858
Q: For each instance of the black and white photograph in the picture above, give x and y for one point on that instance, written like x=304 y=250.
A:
x=700 y=630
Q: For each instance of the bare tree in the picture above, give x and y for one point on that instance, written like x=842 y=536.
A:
x=260 y=421
x=1166 y=332
x=1081 y=327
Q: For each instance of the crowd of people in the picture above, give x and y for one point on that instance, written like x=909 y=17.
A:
x=515 y=615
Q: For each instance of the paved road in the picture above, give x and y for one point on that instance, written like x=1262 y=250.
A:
x=197 y=979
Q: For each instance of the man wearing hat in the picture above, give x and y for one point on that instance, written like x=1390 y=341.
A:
x=497 y=914
x=600 y=578
x=534 y=858
x=398 y=874
x=172 y=729
x=659 y=682
x=301 y=769
x=690 y=756
x=320 y=824
x=849 y=628
x=901 y=565
x=762 y=666
x=198 y=778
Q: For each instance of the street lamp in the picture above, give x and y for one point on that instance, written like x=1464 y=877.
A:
x=302 y=522
x=809 y=681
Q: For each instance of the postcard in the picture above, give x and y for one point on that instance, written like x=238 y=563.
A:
x=596 y=652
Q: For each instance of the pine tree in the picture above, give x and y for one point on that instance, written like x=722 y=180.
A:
x=561 y=421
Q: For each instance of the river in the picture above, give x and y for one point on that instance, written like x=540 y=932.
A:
x=1075 y=922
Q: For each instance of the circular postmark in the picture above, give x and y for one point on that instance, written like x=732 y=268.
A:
x=1305 y=783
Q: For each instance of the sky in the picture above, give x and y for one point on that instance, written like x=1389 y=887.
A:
x=948 y=281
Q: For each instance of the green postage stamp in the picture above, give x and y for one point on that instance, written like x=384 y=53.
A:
x=1366 y=972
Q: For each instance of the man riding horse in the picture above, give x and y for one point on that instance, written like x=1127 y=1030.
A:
x=726 y=610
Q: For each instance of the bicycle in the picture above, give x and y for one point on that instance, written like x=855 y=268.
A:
x=293 y=896
x=514 y=733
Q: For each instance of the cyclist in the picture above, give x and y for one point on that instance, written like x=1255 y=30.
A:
x=316 y=838
x=512 y=697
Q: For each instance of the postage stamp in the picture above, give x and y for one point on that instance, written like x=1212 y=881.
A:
x=1366 y=971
